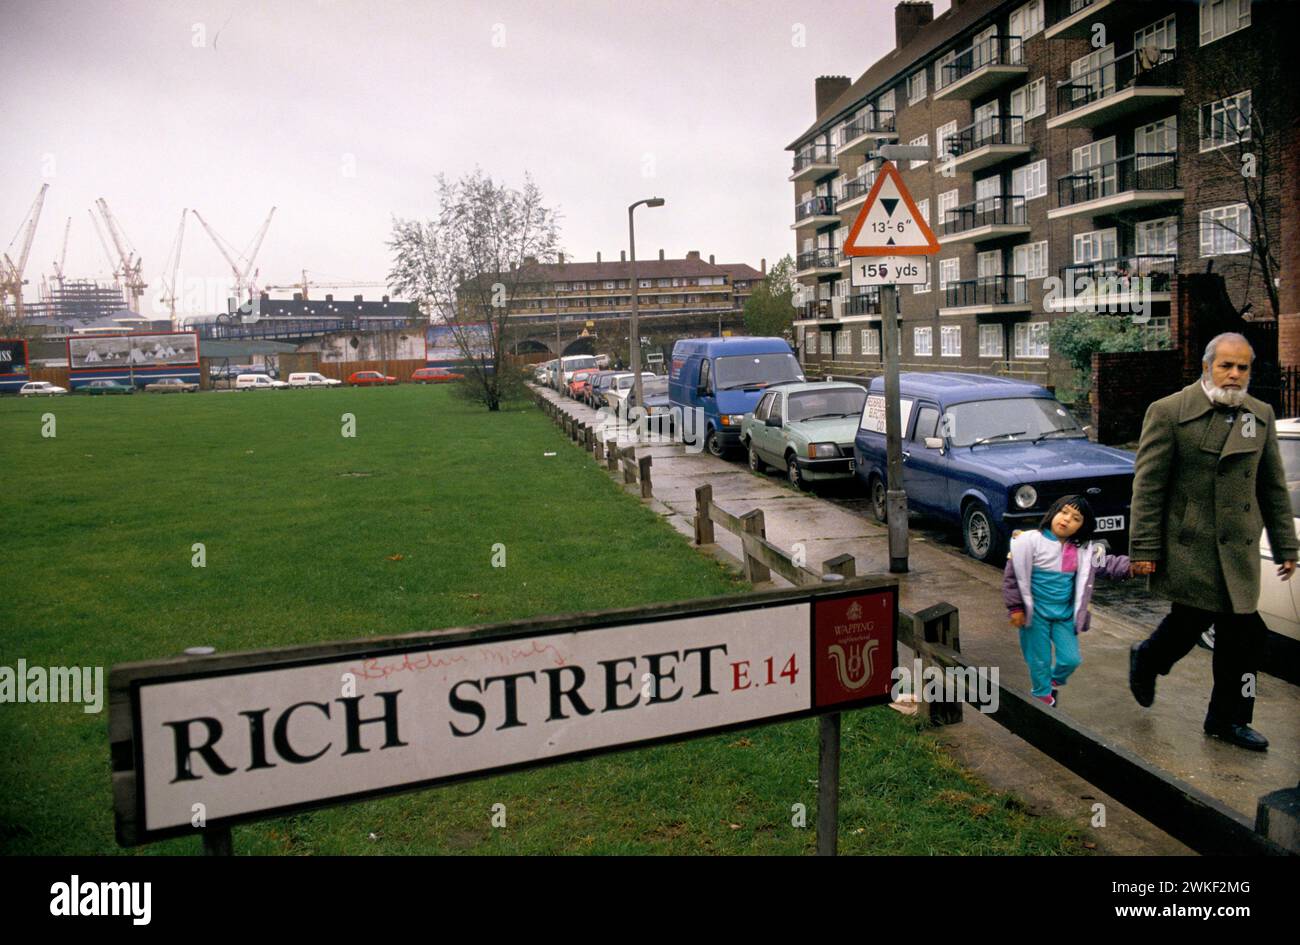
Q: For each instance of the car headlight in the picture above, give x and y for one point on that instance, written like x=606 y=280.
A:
x=823 y=450
x=1026 y=496
x=732 y=419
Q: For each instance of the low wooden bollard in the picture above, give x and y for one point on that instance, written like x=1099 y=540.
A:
x=611 y=455
x=629 y=464
x=755 y=570
x=703 y=523
x=643 y=475
x=939 y=624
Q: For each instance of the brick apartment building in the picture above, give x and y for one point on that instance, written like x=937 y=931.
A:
x=1072 y=140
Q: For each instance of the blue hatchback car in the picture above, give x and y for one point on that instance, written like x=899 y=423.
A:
x=991 y=454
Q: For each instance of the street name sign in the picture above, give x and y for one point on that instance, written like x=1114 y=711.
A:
x=222 y=739
x=889 y=224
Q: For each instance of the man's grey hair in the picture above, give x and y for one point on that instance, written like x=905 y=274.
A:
x=1208 y=357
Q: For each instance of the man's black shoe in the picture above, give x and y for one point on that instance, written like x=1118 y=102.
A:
x=1242 y=735
x=1141 y=682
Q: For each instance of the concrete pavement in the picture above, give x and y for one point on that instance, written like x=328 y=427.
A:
x=1167 y=735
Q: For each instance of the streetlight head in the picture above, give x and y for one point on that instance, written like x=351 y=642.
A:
x=655 y=202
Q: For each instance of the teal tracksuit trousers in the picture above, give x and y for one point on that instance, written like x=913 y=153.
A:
x=1036 y=642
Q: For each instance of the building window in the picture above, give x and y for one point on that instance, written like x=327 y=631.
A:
x=923 y=208
x=1026 y=21
x=1031 y=340
x=1226 y=121
x=1225 y=230
x=1156 y=330
x=988 y=265
x=1222 y=17
x=1030 y=181
x=1030 y=260
x=1095 y=245
x=1160 y=34
x=947 y=201
x=990 y=341
x=950 y=341
x=870 y=341
x=842 y=339
x=921 y=342
x=922 y=141
x=1156 y=143
x=1030 y=101
x=949 y=271
x=941 y=136
x=942 y=74
x=1157 y=237
x=919 y=287
x=916 y=87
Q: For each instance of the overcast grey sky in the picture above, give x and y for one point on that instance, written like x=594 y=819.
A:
x=340 y=113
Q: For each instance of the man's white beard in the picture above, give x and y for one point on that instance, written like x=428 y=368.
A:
x=1227 y=396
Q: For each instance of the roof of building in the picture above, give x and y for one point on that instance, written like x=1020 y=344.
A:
x=645 y=269
x=741 y=271
x=952 y=22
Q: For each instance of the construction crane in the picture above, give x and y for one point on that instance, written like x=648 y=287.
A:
x=112 y=266
x=63 y=255
x=305 y=284
x=170 y=269
x=11 y=271
x=132 y=265
x=243 y=284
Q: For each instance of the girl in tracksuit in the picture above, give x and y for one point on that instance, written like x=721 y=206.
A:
x=1047 y=587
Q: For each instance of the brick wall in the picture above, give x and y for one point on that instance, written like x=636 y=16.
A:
x=1124 y=384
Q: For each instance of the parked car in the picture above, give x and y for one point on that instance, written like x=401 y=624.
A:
x=724 y=378
x=807 y=430
x=369 y=379
x=657 y=405
x=41 y=389
x=257 y=382
x=95 y=388
x=600 y=382
x=435 y=375
x=1279 y=601
x=621 y=387
x=990 y=454
x=170 y=385
x=579 y=382
x=312 y=379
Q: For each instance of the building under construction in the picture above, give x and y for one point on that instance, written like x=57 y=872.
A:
x=80 y=300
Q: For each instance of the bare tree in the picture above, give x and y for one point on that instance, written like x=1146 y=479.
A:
x=465 y=267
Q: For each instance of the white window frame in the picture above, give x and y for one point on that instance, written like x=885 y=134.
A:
x=871 y=341
x=1026 y=21
x=925 y=334
x=1158 y=137
x=1095 y=245
x=886 y=102
x=1031 y=340
x=1094 y=64
x=916 y=86
x=987 y=187
x=949 y=271
x=923 y=141
x=1156 y=237
x=941 y=134
x=1215 y=234
x=988 y=264
x=1030 y=174
x=946 y=59
x=993 y=332
x=843 y=342
x=1030 y=260
x=1163 y=34
x=1219 y=112
x=950 y=341
x=1235 y=16
x=919 y=287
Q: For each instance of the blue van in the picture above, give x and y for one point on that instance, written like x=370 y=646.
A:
x=724 y=378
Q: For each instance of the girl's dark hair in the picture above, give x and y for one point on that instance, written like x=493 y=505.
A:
x=1079 y=502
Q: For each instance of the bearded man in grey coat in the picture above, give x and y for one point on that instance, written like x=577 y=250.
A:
x=1208 y=479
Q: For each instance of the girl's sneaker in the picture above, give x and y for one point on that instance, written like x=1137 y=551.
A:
x=1049 y=700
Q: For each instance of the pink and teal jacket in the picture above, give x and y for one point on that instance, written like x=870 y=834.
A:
x=1031 y=549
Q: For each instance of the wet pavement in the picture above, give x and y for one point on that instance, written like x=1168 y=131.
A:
x=1167 y=735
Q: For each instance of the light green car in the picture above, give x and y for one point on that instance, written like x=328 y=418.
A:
x=805 y=429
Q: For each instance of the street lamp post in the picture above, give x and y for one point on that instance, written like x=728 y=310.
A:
x=635 y=333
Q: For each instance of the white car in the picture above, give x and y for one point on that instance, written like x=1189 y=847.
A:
x=618 y=391
x=257 y=382
x=41 y=389
x=312 y=379
x=1279 y=601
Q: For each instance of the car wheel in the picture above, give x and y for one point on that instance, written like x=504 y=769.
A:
x=713 y=442
x=755 y=464
x=879 y=500
x=980 y=534
x=794 y=474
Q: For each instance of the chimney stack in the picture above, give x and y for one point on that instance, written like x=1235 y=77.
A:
x=711 y=259
x=693 y=254
x=762 y=265
x=828 y=88
x=622 y=255
x=661 y=255
x=597 y=255
x=561 y=259
x=909 y=17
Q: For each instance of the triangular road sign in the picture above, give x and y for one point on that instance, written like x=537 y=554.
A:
x=889 y=223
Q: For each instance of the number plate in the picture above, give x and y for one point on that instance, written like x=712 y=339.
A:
x=1110 y=523
x=851 y=465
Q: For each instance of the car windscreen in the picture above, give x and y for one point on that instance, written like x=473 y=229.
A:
x=655 y=388
x=579 y=363
x=826 y=404
x=1013 y=419
x=1289 y=447
x=755 y=370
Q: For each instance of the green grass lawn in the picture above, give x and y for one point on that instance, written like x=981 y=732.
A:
x=313 y=536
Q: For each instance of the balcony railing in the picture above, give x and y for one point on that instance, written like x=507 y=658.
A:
x=866 y=304
x=1102 y=279
x=819 y=309
x=987 y=211
x=857 y=187
x=996 y=50
x=812 y=154
x=1157 y=170
x=985 y=290
x=818 y=259
x=997 y=129
x=816 y=207
x=881 y=122
x=1140 y=67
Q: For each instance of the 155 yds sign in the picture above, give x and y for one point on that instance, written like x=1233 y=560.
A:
x=889 y=270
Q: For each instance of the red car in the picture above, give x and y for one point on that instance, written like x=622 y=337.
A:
x=369 y=379
x=435 y=375
x=579 y=382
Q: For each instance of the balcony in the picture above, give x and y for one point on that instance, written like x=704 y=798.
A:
x=819 y=211
x=981 y=69
x=1116 y=284
x=1072 y=19
x=818 y=262
x=819 y=310
x=985 y=295
x=862 y=307
x=858 y=136
x=987 y=142
x=1137 y=180
x=812 y=162
x=854 y=192
x=986 y=219
x=1116 y=90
